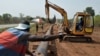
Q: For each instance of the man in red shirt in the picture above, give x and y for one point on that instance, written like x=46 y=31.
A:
x=13 y=41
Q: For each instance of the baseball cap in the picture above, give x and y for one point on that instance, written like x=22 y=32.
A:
x=23 y=25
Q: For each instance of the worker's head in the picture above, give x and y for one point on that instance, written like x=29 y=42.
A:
x=24 y=25
x=81 y=19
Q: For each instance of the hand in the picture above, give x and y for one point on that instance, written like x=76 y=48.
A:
x=29 y=53
x=61 y=36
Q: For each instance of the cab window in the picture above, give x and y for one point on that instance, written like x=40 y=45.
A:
x=89 y=21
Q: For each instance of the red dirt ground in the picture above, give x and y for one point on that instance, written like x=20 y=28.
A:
x=80 y=49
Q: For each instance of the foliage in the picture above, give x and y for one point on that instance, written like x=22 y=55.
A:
x=3 y=29
x=90 y=11
x=7 y=18
x=97 y=20
x=29 y=18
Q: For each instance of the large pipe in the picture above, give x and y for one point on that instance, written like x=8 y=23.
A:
x=43 y=46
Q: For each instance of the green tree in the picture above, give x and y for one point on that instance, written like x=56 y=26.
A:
x=16 y=19
x=90 y=11
x=29 y=18
x=97 y=20
x=7 y=17
x=1 y=21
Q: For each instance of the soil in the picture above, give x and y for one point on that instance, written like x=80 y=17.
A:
x=81 y=48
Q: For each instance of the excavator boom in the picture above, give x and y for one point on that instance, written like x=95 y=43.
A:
x=58 y=9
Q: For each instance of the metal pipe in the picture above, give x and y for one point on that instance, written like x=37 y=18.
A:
x=43 y=46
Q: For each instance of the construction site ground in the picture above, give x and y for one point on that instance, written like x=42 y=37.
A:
x=66 y=48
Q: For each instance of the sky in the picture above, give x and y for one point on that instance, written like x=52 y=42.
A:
x=37 y=7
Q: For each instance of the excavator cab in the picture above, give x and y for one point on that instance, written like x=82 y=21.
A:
x=89 y=25
x=82 y=24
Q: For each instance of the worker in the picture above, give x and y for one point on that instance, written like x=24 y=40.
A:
x=41 y=25
x=13 y=41
x=80 y=24
x=27 y=50
x=81 y=21
x=36 y=27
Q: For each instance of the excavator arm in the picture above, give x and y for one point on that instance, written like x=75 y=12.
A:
x=58 y=9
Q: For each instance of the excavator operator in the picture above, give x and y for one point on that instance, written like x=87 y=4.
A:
x=80 y=24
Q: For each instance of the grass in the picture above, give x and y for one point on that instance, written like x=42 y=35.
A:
x=33 y=29
x=2 y=29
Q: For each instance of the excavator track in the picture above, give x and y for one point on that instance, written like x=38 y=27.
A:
x=78 y=39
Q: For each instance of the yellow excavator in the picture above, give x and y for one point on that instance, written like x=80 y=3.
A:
x=82 y=25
